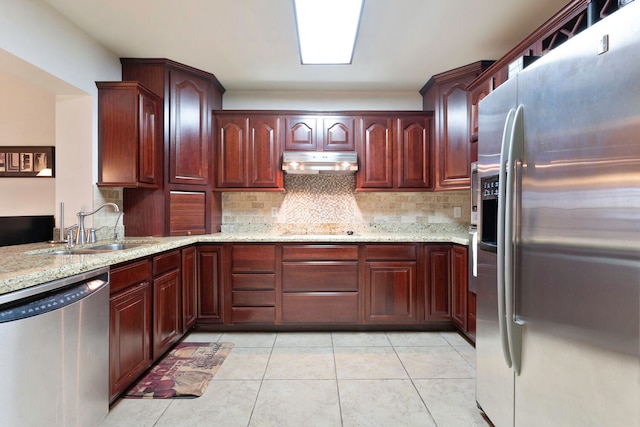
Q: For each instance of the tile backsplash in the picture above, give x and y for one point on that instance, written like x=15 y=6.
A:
x=328 y=204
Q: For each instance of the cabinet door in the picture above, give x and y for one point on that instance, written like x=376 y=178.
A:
x=187 y=213
x=376 y=153
x=454 y=144
x=264 y=153
x=189 y=288
x=189 y=129
x=459 y=287
x=129 y=140
x=209 y=284
x=438 y=282
x=413 y=140
x=338 y=133
x=150 y=151
x=391 y=292
x=301 y=133
x=167 y=310
x=129 y=336
x=232 y=141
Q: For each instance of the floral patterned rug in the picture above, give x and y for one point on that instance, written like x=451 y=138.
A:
x=184 y=372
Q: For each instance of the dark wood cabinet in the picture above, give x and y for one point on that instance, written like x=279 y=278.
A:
x=459 y=286
x=131 y=327
x=446 y=95
x=252 y=284
x=167 y=302
x=248 y=151
x=390 y=283
x=437 y=289
x=189 y=127
x=129 y=136
x=187 y=213
x=320 y=284
x=187 y=96
x=209 y=297
x=319 y=133
x=395 y=153
x=189 y=270
x=376 y=153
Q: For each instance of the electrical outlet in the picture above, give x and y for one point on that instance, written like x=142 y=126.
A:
x=274 y=212
x=457 y=212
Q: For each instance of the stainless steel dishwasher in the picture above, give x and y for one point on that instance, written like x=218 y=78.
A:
x=54 y=352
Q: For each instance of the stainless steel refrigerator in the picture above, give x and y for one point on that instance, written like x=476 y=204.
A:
x=558 y=287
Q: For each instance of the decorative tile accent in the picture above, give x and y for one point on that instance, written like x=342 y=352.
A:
x=328 y=204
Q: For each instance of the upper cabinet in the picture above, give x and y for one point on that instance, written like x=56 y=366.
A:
x=446 y=95
x=395 y=152
x=319 y=133
x=186 y=96
x=247 y=151
x=189 y=128
x=129 y=140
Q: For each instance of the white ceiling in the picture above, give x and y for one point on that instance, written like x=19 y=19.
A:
x=251 y=44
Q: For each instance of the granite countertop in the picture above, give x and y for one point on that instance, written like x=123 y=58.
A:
x=29 y=265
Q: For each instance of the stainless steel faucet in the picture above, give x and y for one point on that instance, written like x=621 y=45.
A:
x=81 y=238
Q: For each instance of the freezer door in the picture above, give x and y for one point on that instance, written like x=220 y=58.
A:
x=495 y=379
x=578 y=297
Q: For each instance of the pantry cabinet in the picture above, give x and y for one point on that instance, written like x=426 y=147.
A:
x=129 y=136
x=446 y=95
x=187 y=96
x=248 y=151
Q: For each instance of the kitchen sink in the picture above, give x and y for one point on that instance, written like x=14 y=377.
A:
x=100 y=249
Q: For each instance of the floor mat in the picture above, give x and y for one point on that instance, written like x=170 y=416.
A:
x=184 y=372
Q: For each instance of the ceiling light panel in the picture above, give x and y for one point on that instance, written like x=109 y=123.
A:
x=327 y=30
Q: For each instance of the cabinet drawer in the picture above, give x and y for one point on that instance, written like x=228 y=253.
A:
x=253 y=315
x=254 y=258
x=319 y=276
x=319 y=252
x=253 y=281
x=129 y=274
x=166 y=262
x=253 y=298
x=390 y=252
x=321 y=307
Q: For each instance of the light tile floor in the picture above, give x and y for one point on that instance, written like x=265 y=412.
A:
x=325 y=379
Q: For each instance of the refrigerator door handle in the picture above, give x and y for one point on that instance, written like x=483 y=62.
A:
x=515 y=153
x=502 y=320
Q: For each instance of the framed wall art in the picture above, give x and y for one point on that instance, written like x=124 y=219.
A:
x=26 y=162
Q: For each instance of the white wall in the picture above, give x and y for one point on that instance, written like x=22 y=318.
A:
x=43 y=48
x=27 y=118
x=316 y=100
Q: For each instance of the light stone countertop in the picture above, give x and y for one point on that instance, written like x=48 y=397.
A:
x=24 y=266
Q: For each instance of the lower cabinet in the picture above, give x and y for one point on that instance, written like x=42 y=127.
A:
x=437 y=290
x=320 y=284
x=131 y=327
x=252 y=283
x=189 y=270
x=391 y=283
x=459 y=286
x=167 y=302
x=209 y=284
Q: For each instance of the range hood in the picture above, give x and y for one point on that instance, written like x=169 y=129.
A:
x=325 y=162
